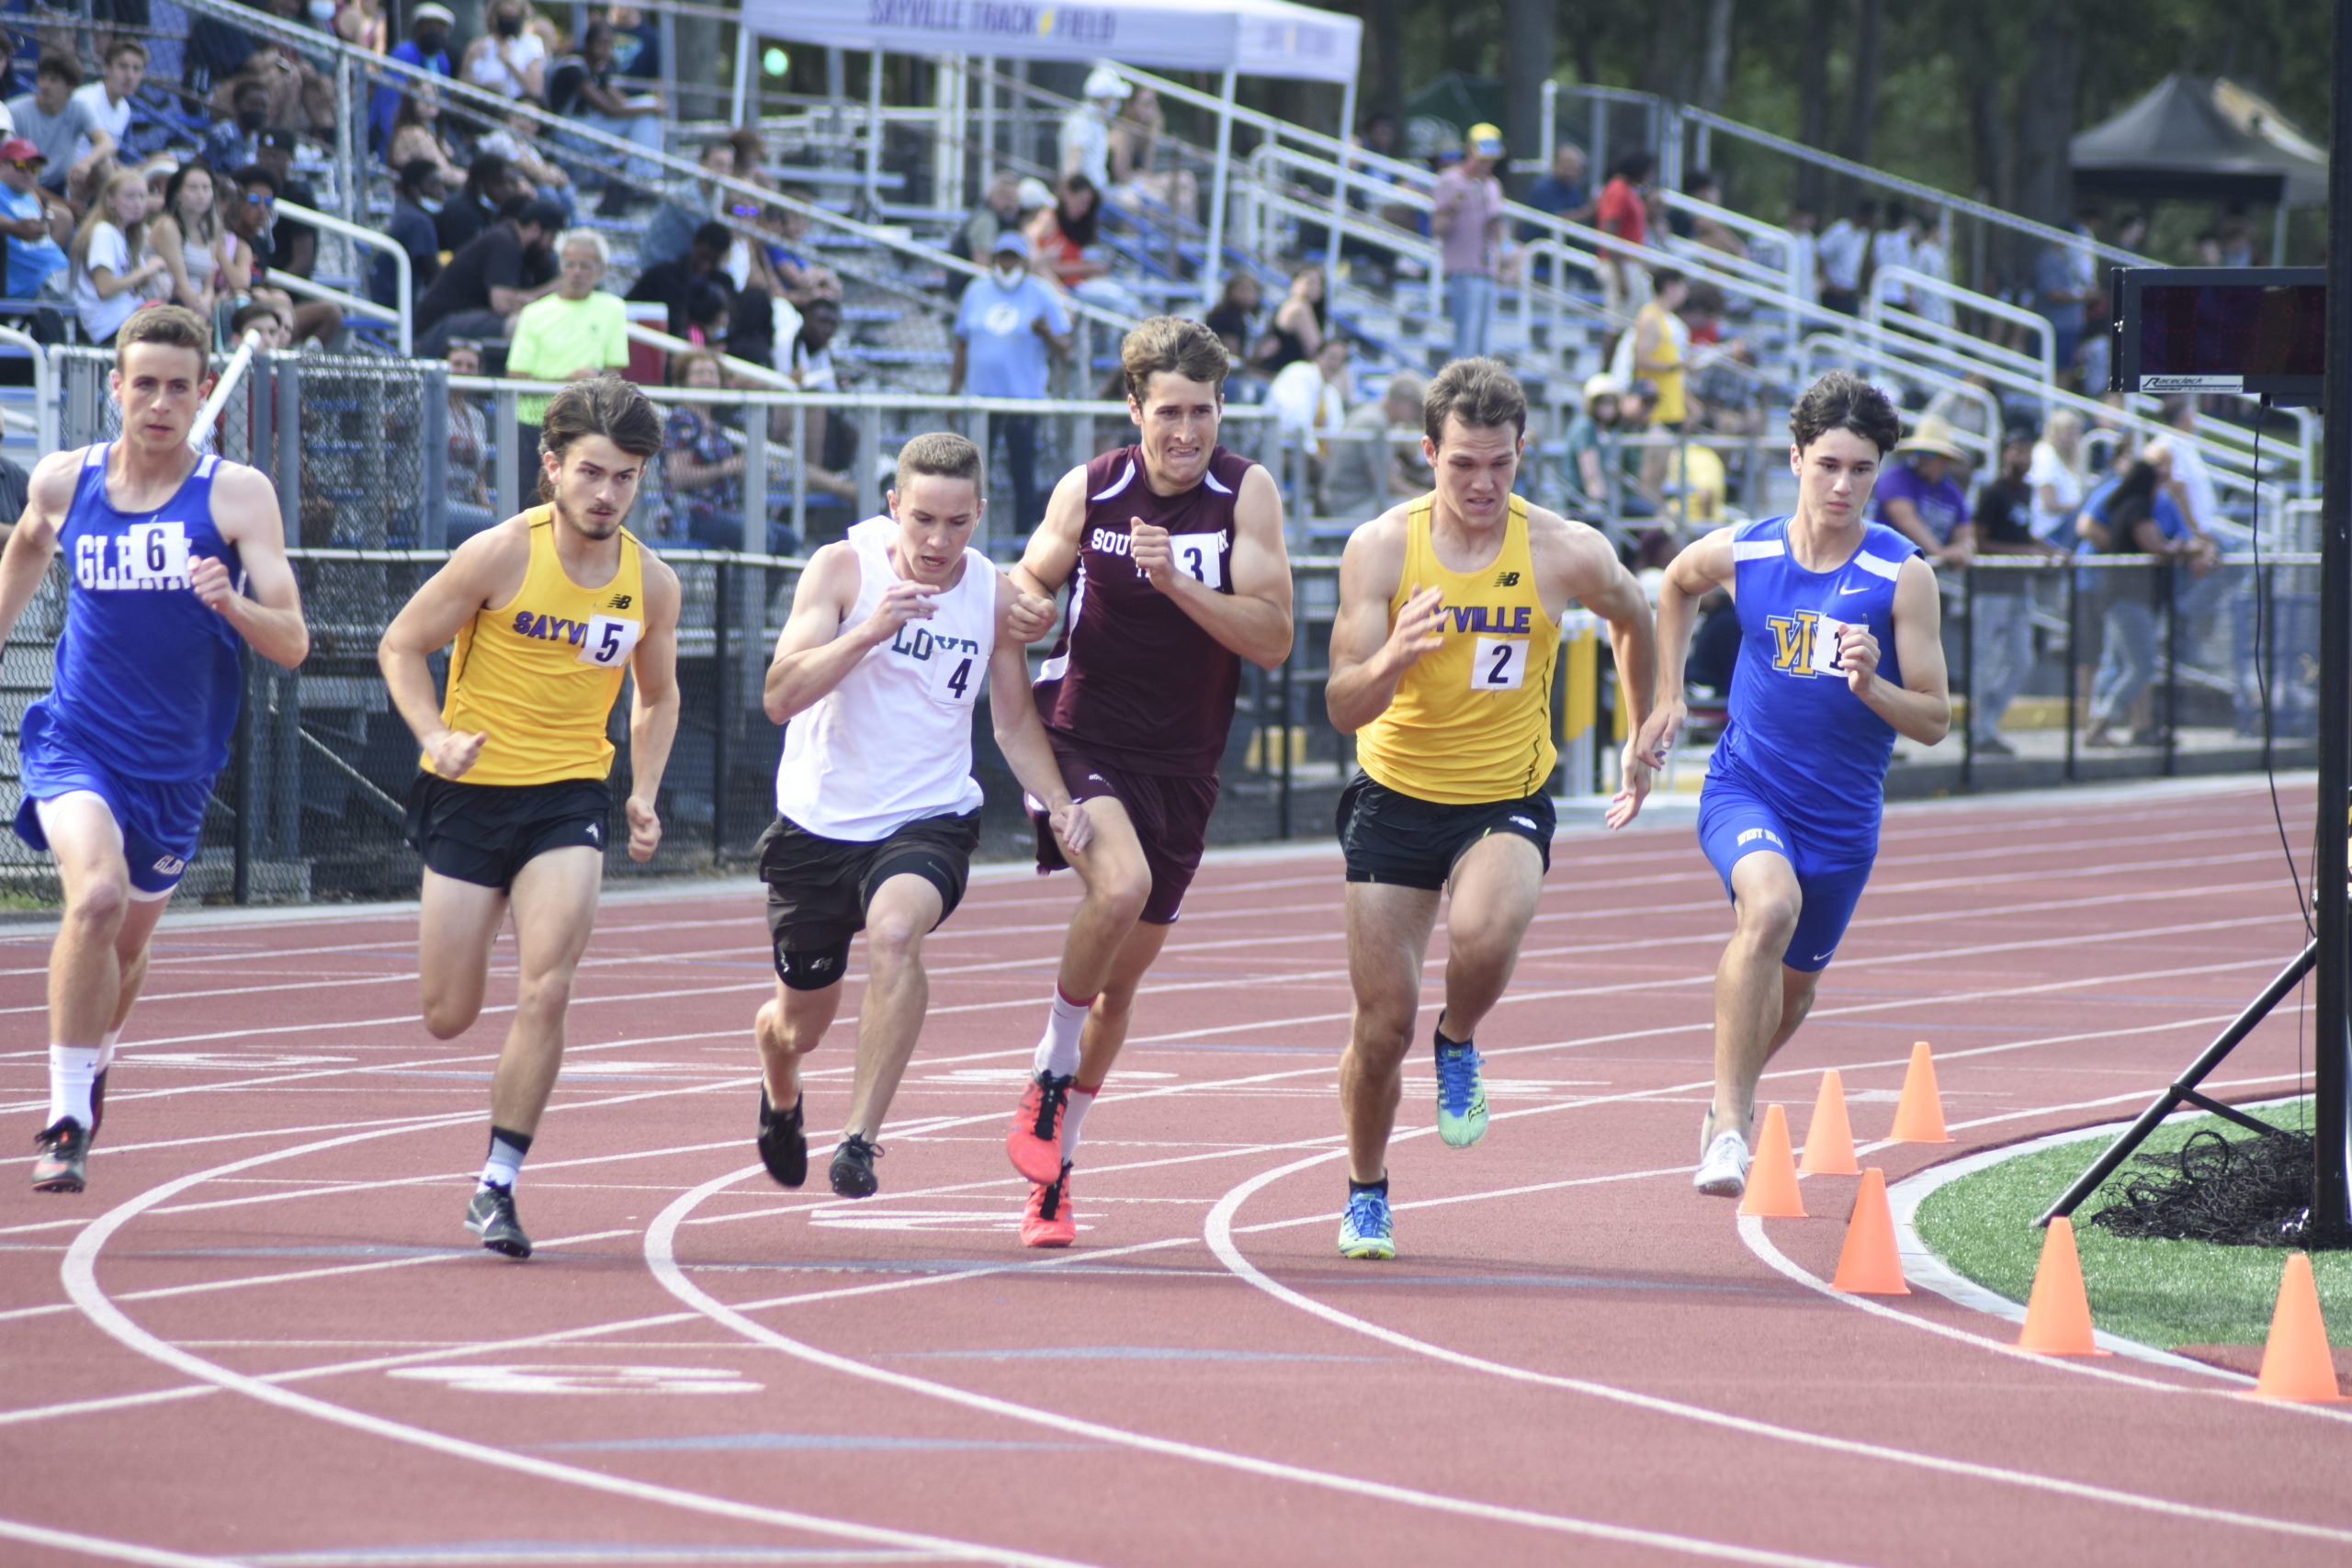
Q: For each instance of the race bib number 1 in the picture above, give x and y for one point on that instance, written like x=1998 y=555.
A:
x=611 y=640
x=159 y=549
x=1200 y=556
x=1499 y=664
x=1824 y=646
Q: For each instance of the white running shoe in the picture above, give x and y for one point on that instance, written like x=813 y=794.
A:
x=1724 y=1173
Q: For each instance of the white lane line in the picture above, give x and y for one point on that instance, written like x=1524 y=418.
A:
x=113 y=1550
x=80 y=1276
x=661 y=1239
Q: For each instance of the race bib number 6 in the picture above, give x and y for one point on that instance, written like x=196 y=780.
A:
x=1497 y=663
x=159 y=550
x=611 y=640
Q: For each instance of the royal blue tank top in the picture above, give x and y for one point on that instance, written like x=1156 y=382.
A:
x=147 y=677
x=1798 y=735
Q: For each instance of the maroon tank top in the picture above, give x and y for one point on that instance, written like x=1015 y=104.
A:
x=1134 y=682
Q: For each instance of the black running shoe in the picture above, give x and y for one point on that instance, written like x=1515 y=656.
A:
x=65 y=1148
x=854 y=1167
x=97 y=1104
x=784 y=1145
x=491 y=1217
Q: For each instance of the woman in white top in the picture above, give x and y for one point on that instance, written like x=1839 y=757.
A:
x=109 y=282
x=187 y=235
x=509 y=59
x=2057 y=479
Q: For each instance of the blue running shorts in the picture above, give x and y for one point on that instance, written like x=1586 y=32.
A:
x=1735 y=821
x=162 y=820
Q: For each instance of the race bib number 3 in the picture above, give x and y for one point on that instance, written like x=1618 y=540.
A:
x=1200 y=556
x=160 y=551
x=610 y=641
x=1497 y=663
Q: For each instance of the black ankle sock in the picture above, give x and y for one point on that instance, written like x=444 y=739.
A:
x=1444 y=1040
x=519 y=1142
x=1380 y=1187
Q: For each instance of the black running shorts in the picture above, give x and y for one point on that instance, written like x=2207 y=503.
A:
x=486 y=833
x=1390 y=837
x=1170 y=813
x=820 y=888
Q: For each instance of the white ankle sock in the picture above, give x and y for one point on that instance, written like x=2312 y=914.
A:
x=106 y=1043
x=70 y=1068
x=1057 y=1052
x=1074 y=1110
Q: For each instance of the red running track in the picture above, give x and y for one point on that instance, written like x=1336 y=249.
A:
x=262 y=1338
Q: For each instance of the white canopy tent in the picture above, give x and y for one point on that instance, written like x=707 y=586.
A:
x=1236 y=37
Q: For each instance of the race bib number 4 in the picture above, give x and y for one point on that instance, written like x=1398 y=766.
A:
x=610 y=640
x=1498 y=663
x=955 y=676
x=1201 y=557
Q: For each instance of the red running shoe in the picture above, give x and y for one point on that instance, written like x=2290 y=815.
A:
x=1050 y=1222
x=1034 y=1144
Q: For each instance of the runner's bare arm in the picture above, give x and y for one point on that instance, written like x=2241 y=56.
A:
x=1012 y=713
x=1583 y=563
x=1052 y=552
x=1704 y=565
x=486 y=569
x=1368 y=656
x=653 y=710
x=1920 y=708
x=816 y=650
x=268 y=613
x=32 y=544
x=1254 y=619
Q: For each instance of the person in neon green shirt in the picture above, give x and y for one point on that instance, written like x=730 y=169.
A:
x=577 y=333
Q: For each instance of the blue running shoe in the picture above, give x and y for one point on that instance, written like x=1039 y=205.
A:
x=1364 y=1231
x=1461 y=1096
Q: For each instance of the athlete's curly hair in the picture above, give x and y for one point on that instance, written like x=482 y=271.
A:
x=1177 y=345
x=173 y=326
x=1843 y=400
x=603 y=405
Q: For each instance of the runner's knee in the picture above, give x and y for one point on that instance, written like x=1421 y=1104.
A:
x=814 y=969
x=447 y=1016
x=99 y=903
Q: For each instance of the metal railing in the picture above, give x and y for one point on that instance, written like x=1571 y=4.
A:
x=1882 y=313
x=401 y=314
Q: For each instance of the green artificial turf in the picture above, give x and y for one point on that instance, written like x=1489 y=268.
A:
x=2159 y=1292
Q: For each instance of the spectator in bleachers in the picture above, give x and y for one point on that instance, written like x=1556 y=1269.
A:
x=420 y=131
x=702 y=466
x=1891 y=248
x=490 y=183
x=233 y=142
x=1065 y=244
x=1843 y=251
x=1234 y=316
x=673 y=284
x=575 y=333
x=467 y=485
x=581 y=88
x=222 y=57
x=541 y=174
x=187 y=234
x=1655 y=350
x=277 y=331
x=804 y=278
x=35 y=222
x=637 y=45
x=1804 y=260
x=1929 y=259
x=1926 y=498
x=811 y=367
x=357 y=22
x=414 y=199
x=1588 y=452
x=1309 y=400
x=750 y=153
x=486 y=284
x=426 y=48
x=2002 y=639
x=248 y=218
x=1361 y=478
x=2058 y=479
x=1299 y=324
x=1562 y=192
x=114 y=273
x=671 y=228
x=1008 y=328
x=1135 y=153
x=998 y=213
x=1703 y=230
x=108 y=97
x=509 y=59
x=1466 y=217
x=53 y=119
x=293 y=245
x=1085 y=142
x=1622 y=209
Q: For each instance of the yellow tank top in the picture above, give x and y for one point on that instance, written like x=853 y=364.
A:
x=1666 y=374
x=540 y=674
x=1470 y=721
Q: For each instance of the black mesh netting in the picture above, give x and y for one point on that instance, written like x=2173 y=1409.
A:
x=2239 y=1192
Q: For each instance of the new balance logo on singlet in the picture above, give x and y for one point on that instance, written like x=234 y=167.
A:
x=1506 y=580
x=617 y=602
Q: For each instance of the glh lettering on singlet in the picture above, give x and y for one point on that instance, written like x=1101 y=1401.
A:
x=145 y=557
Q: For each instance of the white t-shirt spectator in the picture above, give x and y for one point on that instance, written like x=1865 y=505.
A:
x=2054 y=525
x=2196 y=482
x=814 y=368
x=1889 y=248
x=1840 y=253
x=102 y=318
x=107 y=114
x=1086 y=145
x=490 y=70
x=1304 y=402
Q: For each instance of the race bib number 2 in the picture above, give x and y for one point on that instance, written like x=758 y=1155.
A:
x=1499 y=664
x=611 y=640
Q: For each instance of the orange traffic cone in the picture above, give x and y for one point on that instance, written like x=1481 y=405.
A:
x=1868 y=1267
x=1919 y=1115
x=2058 y=1315
x=1772 y=1175
x=1829 y=1137
x=2296 y=1366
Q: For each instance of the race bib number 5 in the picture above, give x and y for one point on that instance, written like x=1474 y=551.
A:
x=611 y=640
x=1497 y=663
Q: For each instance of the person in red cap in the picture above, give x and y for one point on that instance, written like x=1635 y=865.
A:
x=32 y=220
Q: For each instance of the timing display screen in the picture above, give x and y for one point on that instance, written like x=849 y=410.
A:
x=2216 y=330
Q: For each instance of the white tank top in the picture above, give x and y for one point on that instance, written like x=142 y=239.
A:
x=892 y=743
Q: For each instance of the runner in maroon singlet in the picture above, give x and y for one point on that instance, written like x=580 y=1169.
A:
x=1173 y=551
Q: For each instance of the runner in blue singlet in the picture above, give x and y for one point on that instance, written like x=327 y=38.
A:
x=1839 y=654
x=172 y=557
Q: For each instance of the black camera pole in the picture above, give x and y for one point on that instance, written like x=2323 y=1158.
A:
x=2330 y=1224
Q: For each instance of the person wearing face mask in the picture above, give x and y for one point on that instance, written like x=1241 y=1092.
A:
x=233 y=142
x=1010 y=325
x=426 y=48
x=675 y=284
x=509 y=59
x=416 y=199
